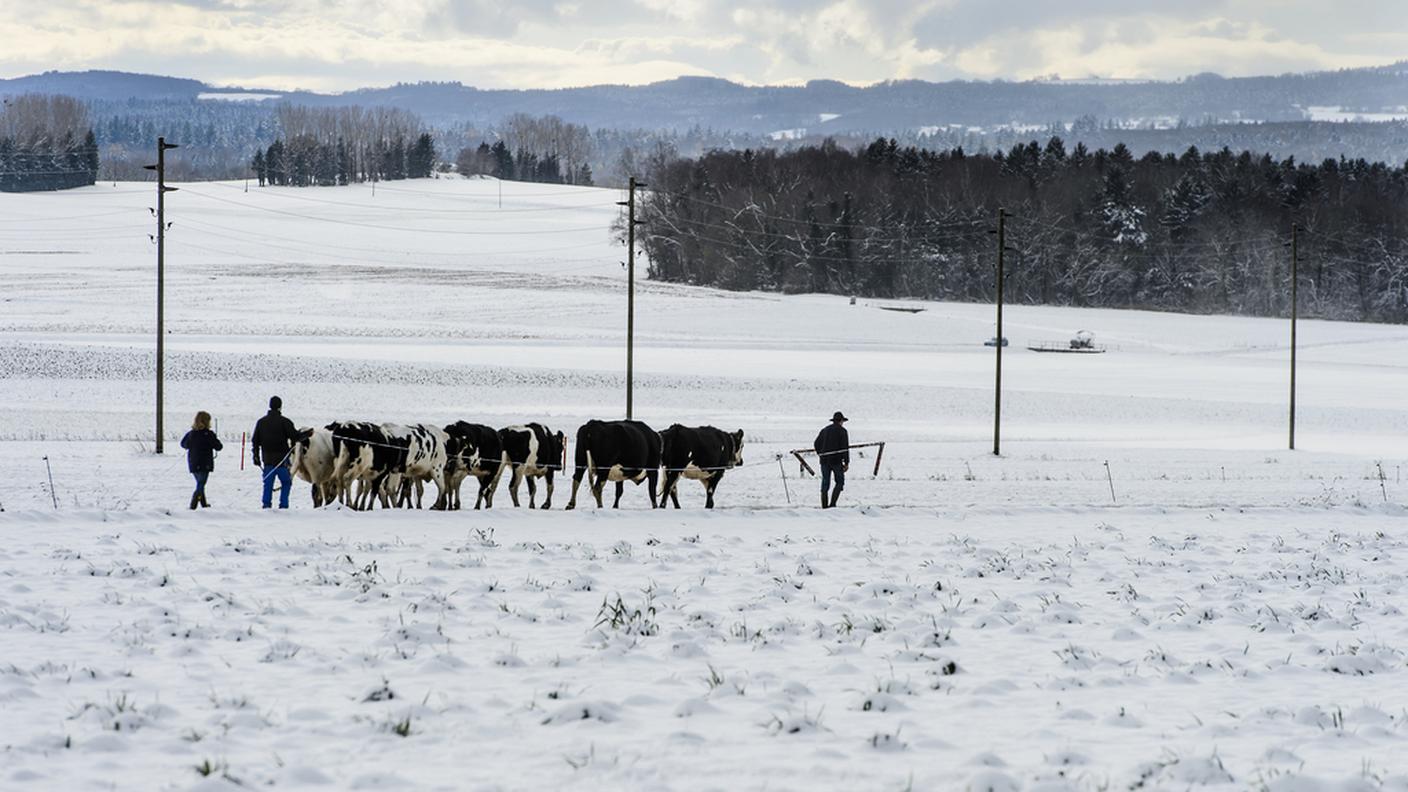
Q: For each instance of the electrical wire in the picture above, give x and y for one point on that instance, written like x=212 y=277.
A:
x=67 y=217
x=252 y=236
x=741 y=210
x=533 y=232
x=865 y=239
x=575 y=190
x=544 y=208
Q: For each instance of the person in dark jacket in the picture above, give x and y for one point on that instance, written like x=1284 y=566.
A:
x=200 y=444
x=272 y=441
x=832 y=448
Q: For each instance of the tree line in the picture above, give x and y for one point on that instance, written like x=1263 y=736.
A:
x=1193 y=232
x=46 y=143
x=344 y=145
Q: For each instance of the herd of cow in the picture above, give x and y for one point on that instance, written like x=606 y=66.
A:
x=361 y=464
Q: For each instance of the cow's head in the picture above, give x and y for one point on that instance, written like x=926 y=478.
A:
x=737 y=448
x=300 y=447
x=559 y=443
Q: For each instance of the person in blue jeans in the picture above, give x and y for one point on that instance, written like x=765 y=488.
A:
x=200 y=444
x=833 y=449
x=271 y=443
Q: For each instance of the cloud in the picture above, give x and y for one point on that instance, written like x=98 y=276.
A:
x=343 y=44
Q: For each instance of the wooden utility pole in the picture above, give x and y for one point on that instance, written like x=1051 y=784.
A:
x=1295 y=304
x=997 y=388
x=161 y=191
x=631 y=222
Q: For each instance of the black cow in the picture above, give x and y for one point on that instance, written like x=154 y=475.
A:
x=618 y=451
x=701 y=453
x=533 y=451
x=472 y=450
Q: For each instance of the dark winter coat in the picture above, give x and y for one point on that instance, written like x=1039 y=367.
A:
x=273 y=437
x=831 y=445
x=201 y=445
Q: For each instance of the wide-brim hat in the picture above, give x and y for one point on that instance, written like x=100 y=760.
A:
x=839 y=417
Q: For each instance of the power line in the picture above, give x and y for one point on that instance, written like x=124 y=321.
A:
x=532 y=232
x=260 y=237
x=915 y=236
x=544 y=208
x=68 y=217
x=1267 y=243
x=750 y=210
x=575 y=190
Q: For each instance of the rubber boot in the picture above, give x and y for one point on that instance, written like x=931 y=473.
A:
x=835 y=496
x=204 y=504
x=195 y=499
x=824 y=503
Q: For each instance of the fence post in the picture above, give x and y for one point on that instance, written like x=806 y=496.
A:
x=52 y=495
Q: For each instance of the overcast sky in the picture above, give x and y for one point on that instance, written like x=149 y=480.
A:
x=333 y=45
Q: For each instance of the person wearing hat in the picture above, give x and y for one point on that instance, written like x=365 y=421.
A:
x=833 y=449
x=271 y=443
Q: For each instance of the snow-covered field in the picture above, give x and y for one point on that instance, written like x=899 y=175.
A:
x=1145 y=591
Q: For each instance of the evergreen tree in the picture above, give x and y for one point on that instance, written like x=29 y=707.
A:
x=503 y=161
x=420 y=160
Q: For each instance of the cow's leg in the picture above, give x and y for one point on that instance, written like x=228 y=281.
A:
x=485 y=497
x=620 y=488
x=380 y=485
x=513 y=483
x=709 y=485
x=532 y=493
x=576 y=482
x=493 y=486
x=547 y=501
x=598 y=482
x=652 y=477
x=672 y=478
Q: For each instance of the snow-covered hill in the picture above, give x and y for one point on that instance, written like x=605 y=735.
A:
x=1146 y=589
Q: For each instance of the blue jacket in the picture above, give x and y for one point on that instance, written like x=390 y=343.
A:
x=201 y=445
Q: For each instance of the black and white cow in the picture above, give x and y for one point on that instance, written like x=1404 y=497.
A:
x=424 y=459
x=618 y=451
x=380 y=458
x=313 y=460
x=472 y=450
x=361 y=456
x=533 y=451
x=701 y=453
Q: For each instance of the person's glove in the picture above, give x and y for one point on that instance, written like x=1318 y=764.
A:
x=845 y=467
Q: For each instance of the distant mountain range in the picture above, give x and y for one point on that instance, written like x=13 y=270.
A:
x=822 y=106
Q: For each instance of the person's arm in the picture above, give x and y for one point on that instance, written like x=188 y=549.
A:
x=215 y=441
x=186 y=440
x=816 y=444
x=254 y=442
x=845 y=450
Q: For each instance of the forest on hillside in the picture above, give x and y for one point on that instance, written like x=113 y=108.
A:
x=46 y=143
x=1196 y=231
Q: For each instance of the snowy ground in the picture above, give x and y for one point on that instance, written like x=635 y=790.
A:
x=1228 y=617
